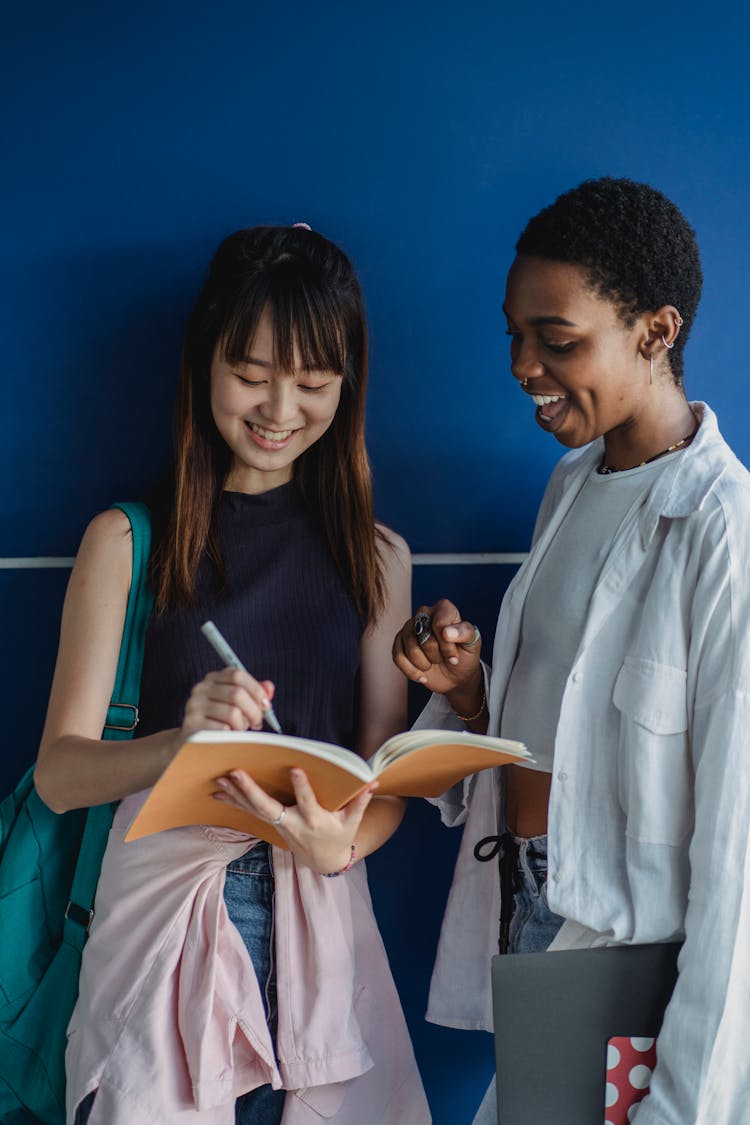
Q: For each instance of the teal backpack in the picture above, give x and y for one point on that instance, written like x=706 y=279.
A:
x=49 y=867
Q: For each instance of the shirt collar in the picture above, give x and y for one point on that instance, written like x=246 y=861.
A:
x=684 y=485
x=686 y=481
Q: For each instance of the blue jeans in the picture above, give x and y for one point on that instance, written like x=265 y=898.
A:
x=533 y=925
x=248 y=894
x=527 y=925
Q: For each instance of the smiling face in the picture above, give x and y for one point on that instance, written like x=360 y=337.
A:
x=585 y=370
x=268 y=416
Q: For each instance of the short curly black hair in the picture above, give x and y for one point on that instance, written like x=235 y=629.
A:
x=636 y=246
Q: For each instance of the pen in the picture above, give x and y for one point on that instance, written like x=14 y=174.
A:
x=232 y=660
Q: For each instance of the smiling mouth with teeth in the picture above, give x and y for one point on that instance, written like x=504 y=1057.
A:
x=550 y=409
x=270 y=435
x=542 y=400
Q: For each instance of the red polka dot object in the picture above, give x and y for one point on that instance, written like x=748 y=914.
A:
x=629 y=1065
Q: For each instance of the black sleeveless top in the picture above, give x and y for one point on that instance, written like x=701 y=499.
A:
x=286 y=613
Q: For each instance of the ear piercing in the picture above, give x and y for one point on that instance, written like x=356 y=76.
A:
x=679 y=323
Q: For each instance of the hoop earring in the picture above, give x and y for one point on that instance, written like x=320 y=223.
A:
x=666 y=345
x=651 y=368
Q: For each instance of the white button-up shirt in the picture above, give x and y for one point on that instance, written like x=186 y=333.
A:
x=649 y=817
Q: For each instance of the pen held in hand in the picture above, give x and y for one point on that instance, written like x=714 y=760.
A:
x=226 y=653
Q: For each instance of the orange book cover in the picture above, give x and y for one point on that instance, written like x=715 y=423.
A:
x=418 y=763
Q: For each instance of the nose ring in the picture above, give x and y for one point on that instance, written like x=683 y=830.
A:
x=525 y=382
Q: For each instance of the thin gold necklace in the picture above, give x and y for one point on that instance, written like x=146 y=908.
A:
x=605 y=470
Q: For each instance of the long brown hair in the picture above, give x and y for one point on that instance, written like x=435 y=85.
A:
x=316 y=303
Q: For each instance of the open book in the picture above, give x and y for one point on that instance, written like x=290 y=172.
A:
x=418 y=763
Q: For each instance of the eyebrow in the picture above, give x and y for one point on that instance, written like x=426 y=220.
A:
x=536 y=321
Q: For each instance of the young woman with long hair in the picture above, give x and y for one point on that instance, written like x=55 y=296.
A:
x=225 y=980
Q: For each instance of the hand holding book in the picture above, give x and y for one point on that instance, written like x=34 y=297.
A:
x=325 y=840
x=418 y=763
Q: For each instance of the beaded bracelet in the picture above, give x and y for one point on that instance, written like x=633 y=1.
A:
x=471 y=718
x=335 y=874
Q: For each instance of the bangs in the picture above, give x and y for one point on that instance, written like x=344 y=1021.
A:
x=304 y=313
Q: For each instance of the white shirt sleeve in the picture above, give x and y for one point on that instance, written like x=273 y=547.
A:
x=703 y=1069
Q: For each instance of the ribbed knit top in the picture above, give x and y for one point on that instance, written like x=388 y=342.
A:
x=286 y=613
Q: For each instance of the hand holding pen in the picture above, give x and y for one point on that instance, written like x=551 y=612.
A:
x=231 y=660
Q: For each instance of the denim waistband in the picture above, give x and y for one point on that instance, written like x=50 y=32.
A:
x=522 y=864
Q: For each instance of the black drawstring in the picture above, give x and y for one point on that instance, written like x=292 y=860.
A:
x=506 y=848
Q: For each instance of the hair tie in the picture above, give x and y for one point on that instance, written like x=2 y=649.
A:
x=304 y=226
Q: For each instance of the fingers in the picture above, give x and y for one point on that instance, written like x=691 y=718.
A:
x=447 y=628
x=464 y=635
x=435 y=636
x=415 y=649
x=319 y=838
x=307 y=803
x=238 y=788
x=242 y=790
x=304 y=794
x=229 y=699
x=324 y=839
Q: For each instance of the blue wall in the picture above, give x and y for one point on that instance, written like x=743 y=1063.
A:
x=419 y=136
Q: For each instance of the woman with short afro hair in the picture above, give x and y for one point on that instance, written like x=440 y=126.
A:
x=622 y=658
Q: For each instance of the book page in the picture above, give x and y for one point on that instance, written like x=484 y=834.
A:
x=411 y=740
x=434 y=766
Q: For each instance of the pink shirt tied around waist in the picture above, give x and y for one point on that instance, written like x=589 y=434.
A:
x=170 y=1024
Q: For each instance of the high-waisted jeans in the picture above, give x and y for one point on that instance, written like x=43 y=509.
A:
x=532 y=925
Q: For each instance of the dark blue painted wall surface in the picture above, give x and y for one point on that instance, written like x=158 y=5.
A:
x=421 y=137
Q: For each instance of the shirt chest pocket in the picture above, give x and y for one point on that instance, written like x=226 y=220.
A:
x=654 y=766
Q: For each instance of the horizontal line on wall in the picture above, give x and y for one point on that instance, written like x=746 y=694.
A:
x=478 y=558
x=40 y=562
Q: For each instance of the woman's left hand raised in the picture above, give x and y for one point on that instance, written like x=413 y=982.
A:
x=319 y=838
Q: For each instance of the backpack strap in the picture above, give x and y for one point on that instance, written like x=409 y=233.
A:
x=122 y=717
